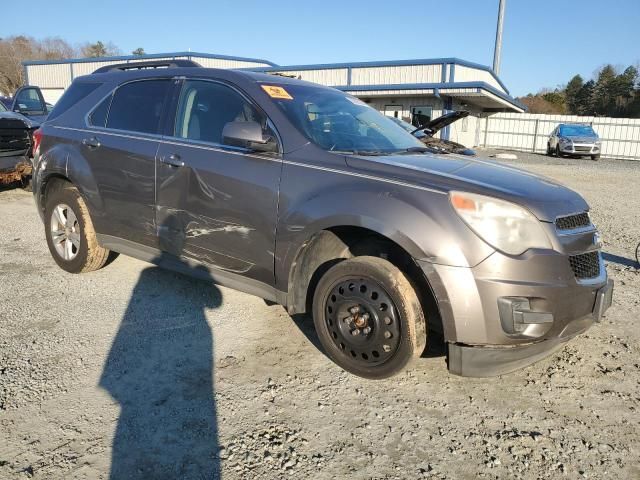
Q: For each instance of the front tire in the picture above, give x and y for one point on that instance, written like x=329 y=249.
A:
x=595 y=158
x=558 y=154
x=368 y=317
x=70 y=234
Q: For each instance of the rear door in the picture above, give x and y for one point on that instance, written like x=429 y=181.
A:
x=121 y=148
x=217 y=203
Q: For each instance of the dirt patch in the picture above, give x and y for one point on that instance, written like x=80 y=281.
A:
x=135 y=368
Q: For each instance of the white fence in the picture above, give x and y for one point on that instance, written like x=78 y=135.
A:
x=529 y=132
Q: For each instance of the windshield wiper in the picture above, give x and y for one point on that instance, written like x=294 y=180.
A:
x=365 y=153
x=411 y=150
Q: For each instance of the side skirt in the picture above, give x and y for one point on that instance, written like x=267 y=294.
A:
x=192 y=268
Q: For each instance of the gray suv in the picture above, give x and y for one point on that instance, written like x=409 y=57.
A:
x=307 y=197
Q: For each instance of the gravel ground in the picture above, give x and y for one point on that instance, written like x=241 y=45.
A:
x=152 y=375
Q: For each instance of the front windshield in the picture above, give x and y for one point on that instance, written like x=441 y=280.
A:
x=408 y=127
x=338 y=122
x=577 y=131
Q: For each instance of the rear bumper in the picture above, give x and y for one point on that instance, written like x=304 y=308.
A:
x=491 y=360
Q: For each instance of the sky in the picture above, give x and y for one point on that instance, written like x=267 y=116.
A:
x=545 y=43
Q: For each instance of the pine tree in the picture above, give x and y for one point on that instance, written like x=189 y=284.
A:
x=572 y=92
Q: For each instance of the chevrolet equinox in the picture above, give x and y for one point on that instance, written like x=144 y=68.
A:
x=307 y=197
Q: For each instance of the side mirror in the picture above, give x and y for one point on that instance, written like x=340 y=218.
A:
x=248 y=135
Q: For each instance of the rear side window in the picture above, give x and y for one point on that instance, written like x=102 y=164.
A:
x=98 y=117
x=75 y=93
x=137 y=106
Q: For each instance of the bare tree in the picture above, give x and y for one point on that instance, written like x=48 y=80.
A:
x=17 y=49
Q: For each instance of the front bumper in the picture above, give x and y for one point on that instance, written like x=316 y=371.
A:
x=580 y=149
x=13 y=168
x=488 y=361
x=508 y=312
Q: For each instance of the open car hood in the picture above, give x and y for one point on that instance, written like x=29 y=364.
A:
x=437 y=124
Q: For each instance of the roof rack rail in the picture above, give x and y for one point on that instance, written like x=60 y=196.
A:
x=145 y=65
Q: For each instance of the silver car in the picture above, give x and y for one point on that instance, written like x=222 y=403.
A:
x=574 y=139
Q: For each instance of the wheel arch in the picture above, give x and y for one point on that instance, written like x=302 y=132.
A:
x=336 y=243
x=63 y=162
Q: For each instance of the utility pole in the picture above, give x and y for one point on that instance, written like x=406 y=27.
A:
x=498 y=48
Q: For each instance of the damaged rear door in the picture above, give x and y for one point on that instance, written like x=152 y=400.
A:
x=216 y=203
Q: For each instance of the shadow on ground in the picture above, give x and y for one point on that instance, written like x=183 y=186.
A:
x=625 y=262
x=160 y=371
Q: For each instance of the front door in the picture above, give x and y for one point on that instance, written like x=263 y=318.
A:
x=217 y=204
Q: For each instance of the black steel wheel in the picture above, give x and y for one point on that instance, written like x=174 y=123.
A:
x=368 y=317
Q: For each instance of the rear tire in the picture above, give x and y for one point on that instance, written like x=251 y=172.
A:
x=373 y=297
x=70 y=234
x=26 y=183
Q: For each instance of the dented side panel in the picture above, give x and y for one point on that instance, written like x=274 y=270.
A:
x=219 y=208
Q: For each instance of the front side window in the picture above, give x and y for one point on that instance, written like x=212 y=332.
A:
x=137 y=106
x=338 y=122
x=206 y=107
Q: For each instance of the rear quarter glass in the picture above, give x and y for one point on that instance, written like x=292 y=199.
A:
x=75 y=93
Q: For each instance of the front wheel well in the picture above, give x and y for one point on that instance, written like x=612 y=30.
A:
x=328 y=247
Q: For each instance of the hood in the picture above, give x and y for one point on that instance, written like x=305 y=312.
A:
x=17 y=120
x=544 y=197
x=581 y=138
x=434 y=126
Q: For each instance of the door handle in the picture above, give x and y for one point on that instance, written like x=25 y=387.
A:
x=173 y=160
x=92 y=142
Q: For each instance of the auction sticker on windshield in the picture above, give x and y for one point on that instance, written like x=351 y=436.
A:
x=276 y=92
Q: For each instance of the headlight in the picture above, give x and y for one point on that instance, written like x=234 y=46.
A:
x=564 y=140
x=503 y=225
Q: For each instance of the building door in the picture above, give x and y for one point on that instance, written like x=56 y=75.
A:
x=393 y=111
x=421 y=115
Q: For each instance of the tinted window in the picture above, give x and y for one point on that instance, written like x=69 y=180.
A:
x=206 y=107
x=137 y=106
x=98 y=117
x=75 y=93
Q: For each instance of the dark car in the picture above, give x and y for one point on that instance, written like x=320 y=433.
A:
x=426 y=133
x=20 y=116
x=307 y=197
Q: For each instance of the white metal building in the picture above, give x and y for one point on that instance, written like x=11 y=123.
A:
x=400 y=88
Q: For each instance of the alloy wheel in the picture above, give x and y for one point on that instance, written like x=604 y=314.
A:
x=65 y=232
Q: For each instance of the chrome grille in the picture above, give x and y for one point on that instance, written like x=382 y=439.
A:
x=585 y=265
x=573 y=221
